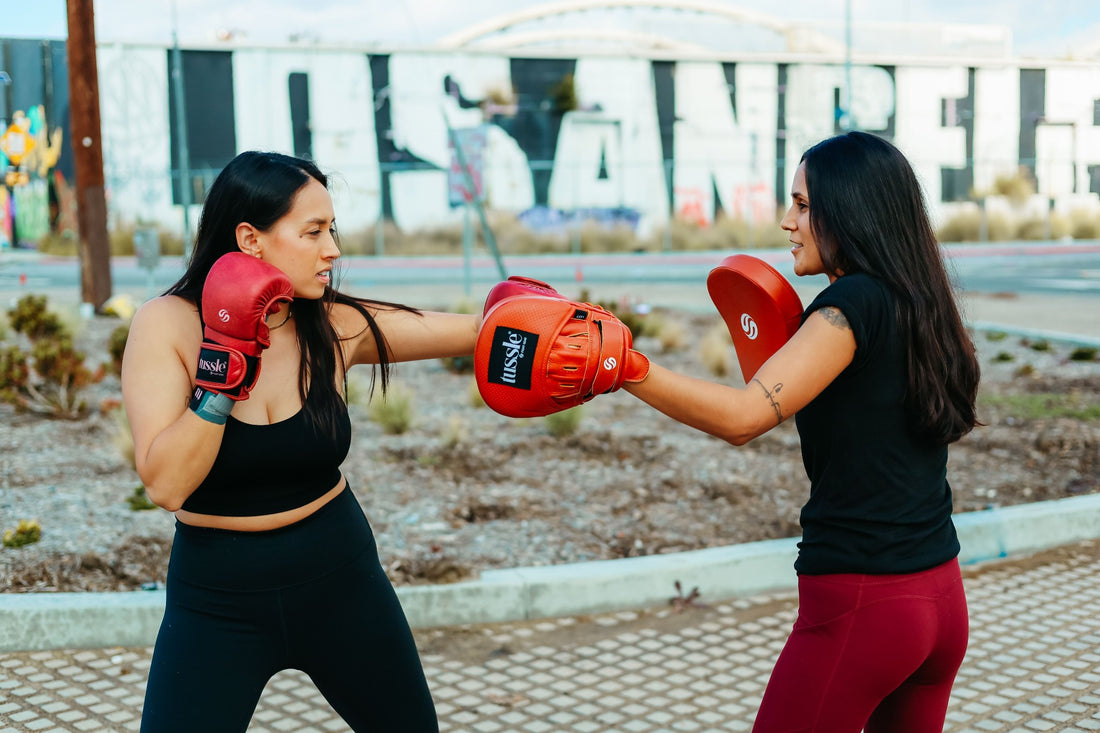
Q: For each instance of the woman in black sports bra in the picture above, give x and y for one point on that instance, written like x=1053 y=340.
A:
x=273 y=564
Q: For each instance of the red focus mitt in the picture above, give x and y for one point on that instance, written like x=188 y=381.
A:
x=761 y=309
x=539 y=354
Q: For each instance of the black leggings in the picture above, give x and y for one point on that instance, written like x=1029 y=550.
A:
x=312 y=596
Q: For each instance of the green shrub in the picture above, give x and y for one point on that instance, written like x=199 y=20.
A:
x=1045 y=405
x=393 y=411
x=116 y=346
x=1083 y=353
x=564 y=423
x=458 y=364
x=995 y=335
x=50 y=377
x=1004 y=356
x=139 y=500
x=27 y=532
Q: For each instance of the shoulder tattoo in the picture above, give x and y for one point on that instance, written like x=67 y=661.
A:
x=773 y=398
x=834 y=316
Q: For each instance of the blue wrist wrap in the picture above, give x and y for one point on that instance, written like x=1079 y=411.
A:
x=211 y=406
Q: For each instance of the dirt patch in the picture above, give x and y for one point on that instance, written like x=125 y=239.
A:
x=467 y=490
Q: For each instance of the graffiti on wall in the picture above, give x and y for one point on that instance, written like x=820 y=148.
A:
x=598 y=137
x=35 y=164
x=32 y=193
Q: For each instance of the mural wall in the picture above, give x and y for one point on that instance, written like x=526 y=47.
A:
x=36 y=164
x=626 y=138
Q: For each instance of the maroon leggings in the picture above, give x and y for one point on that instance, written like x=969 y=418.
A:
x=869 y=652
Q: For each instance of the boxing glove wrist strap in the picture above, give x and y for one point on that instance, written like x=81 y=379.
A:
x=211 y=406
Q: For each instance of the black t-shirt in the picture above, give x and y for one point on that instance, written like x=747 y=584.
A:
x=879 y=498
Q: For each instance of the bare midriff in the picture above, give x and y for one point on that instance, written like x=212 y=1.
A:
x=263 y=522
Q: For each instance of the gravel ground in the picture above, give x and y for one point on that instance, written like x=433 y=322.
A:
x=465 y=489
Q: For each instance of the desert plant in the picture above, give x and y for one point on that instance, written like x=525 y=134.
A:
x=458 y=364
x=116 y=346
x=1003 y=356
x=995 y=335
x=122 y=437
x=1045 y=405
x=1083 y=353
x=672 y=335
x=31 y=317
x=27 y=532
x=563 y=423
x=1017 y=187
x=475 y=398
x=139 y=500
x=714 y=350
x=1084 y=224
x=50 y=377
x=456 y=432
x=962 y=226
x=393 y=411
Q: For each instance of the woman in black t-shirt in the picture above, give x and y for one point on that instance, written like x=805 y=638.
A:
x=882 y=377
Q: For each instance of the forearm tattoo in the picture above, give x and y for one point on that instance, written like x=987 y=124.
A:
x=834 y=317
x=773 y=397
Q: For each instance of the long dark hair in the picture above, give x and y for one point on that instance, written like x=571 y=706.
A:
x=259 y=188
x=868 y=215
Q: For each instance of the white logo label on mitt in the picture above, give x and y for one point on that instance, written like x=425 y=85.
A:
x=223 y=315
x=610 y=363
x=749 y=326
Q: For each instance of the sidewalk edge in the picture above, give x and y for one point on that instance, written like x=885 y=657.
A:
x=41 y=621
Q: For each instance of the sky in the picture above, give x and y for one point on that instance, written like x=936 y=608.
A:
x=1053 y=28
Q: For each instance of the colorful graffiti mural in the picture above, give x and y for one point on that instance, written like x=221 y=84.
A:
x=33 y=125
x=659 y=138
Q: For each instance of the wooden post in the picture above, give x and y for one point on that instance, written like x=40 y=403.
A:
x=95 y=252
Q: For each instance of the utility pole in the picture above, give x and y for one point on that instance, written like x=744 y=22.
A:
x=183 y=151
x=87 y=142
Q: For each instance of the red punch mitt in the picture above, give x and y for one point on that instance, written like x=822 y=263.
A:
x=540 y=354
x=761 y=309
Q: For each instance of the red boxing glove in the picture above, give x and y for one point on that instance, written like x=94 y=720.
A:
x=239 y=293
x=518 y=285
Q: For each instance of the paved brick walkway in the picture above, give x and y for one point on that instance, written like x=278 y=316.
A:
x=1033 y=665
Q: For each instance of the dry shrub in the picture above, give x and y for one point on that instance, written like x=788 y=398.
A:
x=565 y=423
x=474 y=394
x=393 y=411
x=963 y=226
x=1084 y=224
x=672 y=335
x=715 y=350
x=122 y=437
x=456 y=433
x=1017 y=187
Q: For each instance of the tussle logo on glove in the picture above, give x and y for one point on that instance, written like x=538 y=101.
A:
x=511 y=356
x=213 y=366
x=223 y=315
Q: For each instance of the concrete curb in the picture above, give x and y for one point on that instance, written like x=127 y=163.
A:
x=1036 y=334
x=38 y=621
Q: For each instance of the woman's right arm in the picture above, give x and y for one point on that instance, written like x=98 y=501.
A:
x=173 y=448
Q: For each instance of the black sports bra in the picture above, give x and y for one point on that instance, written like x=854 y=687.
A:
x=266 y=469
